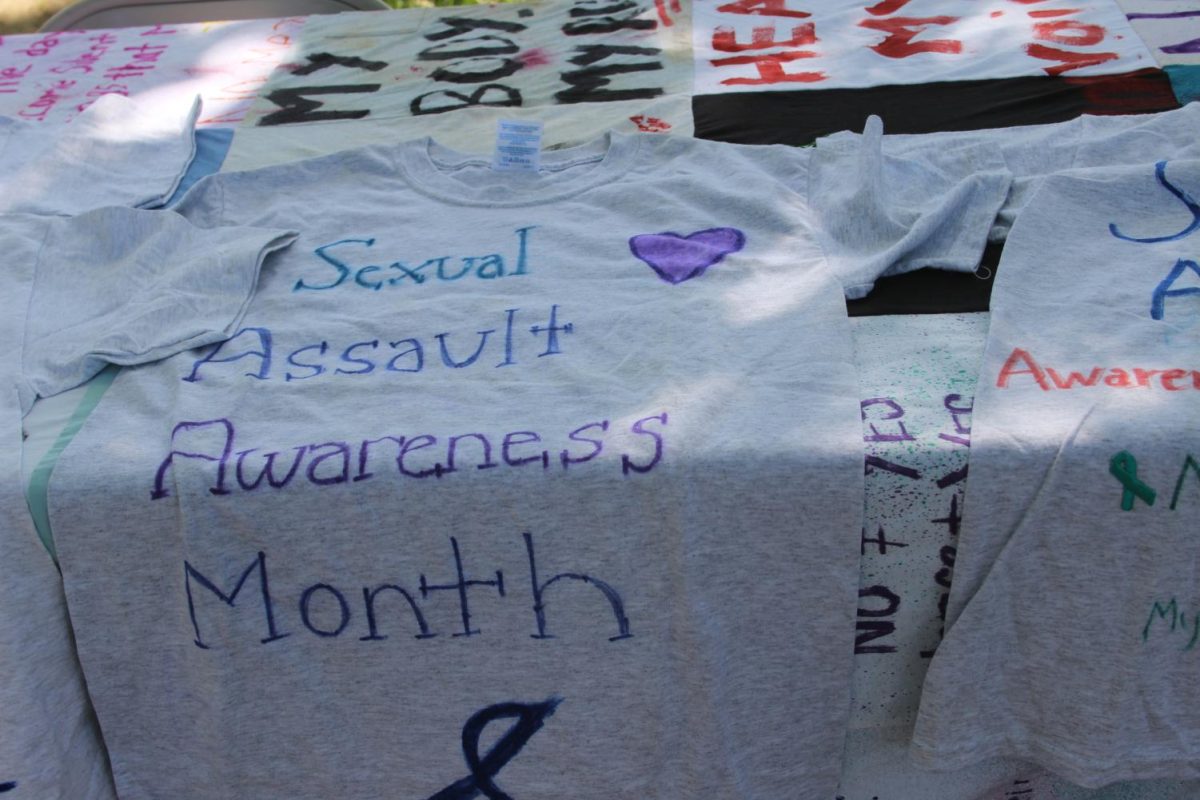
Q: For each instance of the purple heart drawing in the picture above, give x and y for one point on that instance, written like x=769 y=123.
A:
x=679 y=258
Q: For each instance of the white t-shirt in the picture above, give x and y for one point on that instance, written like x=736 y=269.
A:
x=1076 y=591
x=550 y=482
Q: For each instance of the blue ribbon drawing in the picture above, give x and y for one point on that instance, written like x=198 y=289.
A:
x=529 y=720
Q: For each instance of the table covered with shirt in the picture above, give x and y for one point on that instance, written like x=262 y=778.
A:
x=487 y=495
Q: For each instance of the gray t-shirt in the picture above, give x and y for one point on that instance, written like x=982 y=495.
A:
x=119 y=152
x=1075 y=606
x=82 y=292
x=113 y=154
x=544 y=483
x=1031 y=153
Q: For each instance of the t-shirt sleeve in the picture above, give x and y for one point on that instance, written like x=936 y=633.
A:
x=1033 y=152
x=204 y=204
x=880 y=214
x=124 y=286
x=118 y=152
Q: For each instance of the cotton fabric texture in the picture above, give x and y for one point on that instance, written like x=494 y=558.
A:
x=86 y=291
x=119 y=152
x=1074 y=630
x=551 y=480
x=81 y=292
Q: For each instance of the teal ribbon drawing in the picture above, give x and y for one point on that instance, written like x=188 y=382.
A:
x=1123 y=467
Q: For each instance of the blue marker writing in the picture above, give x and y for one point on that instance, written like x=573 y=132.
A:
x=1160 y=173
x=529 y=720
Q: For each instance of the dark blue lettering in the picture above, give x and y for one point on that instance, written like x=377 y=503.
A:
x=1164 y=290
x=509 y=316
x=627 y=464
x=1160 y=174
x=452 y=451
x=552 y=330
x=340 y=449
x=539 y=602
x=870 y=629
x=268 y=470
x=317 y=369
x=369 y=596
x=530 y=718
x=460 y=587
x=259 y=563
x=597 y=444
x=362 y=455
x=264 y=354
x=368 y=366
x=450 y=362
x=510 y=440
x=160 y=490
x=344 y=608
x=416 y=350
x=418 y=443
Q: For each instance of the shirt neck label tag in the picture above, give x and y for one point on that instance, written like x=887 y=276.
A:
x=518 y=146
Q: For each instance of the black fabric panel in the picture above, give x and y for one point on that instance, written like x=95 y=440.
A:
x=800 y=117
x=931 y=291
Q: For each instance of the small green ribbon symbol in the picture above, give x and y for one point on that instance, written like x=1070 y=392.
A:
x=1123 y=467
